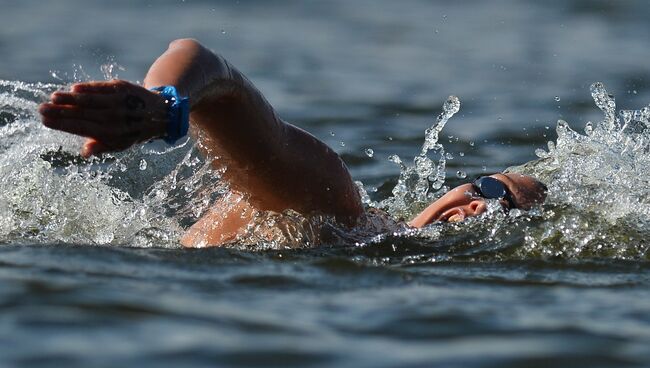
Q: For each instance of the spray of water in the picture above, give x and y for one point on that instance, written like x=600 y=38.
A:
x=422 y=182
x=598 y=203
x=599 y=199
x=49 y=194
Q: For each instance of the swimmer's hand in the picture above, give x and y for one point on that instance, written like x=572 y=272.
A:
x=113 y=115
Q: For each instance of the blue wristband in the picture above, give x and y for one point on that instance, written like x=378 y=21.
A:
x=178 y=113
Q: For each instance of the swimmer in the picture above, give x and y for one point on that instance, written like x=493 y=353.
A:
x=270 y=165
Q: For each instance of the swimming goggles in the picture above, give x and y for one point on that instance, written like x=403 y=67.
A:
x=491 y=188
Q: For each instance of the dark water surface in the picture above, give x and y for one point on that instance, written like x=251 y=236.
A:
x=107 y=306
x=358 y=75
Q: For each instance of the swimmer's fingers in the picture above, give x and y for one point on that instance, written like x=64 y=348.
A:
x=115 y=114
x=124 y=100
x=112 y=130
x=113 y=94
x=95 y=100
x=107 y=138
x=54 y=111
x=84 y=128
x=102 y=124
x=116 y=93
x=94 y=147
x=113 y=86
x=117 y=118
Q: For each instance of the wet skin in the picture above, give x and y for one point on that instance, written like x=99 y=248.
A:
x=113 y=115
x=270 y=165
x=463 y=201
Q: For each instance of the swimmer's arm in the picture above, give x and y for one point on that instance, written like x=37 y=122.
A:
x=277 y=164
x=117 y=114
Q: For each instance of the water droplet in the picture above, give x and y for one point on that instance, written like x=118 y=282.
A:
x=557 y=98
x=416 y=182
x=390 y=138
x=143 y=164
x=471 y=143
x=605 y=103
x=541 y=153
x=342 y=144
x=551 y=146
x=449 y=156
x=484 y=168
x=461 y=154
x=395 y=159
x=332 y=134
x=223 y=31
x=461 y=174
x=369 y=152
x=451 y=106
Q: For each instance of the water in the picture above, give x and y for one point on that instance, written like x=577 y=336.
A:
x=90 y=269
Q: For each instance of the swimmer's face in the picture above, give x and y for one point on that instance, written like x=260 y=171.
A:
x=464 y=201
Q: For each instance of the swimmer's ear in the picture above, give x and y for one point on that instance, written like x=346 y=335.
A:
x=92 y=147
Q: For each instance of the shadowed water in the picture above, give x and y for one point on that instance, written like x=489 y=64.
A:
x=91 y=273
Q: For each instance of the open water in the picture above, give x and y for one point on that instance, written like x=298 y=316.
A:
x=91 y=273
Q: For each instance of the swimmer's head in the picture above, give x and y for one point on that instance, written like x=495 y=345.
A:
x=511 y=190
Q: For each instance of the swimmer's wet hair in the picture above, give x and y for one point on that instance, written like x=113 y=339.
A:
x=526 y=200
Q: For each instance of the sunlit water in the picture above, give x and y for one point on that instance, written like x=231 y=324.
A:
x=597 y=207
x=597 y=203
x=91 y=273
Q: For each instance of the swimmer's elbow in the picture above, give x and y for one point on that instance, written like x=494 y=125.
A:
x=185 y=43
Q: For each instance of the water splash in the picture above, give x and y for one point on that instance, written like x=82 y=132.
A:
x=598 y=202
x=419 y=184
x=110 y=69
x=605 y=103
x=79 y=74
x=49 y=194
x=598 y=186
